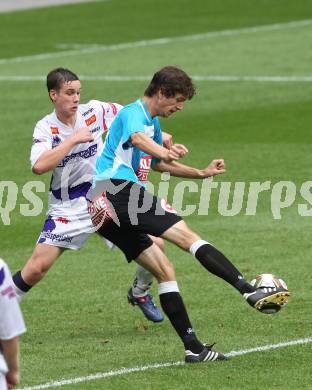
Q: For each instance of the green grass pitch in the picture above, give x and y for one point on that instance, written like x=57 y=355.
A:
x=79 y=322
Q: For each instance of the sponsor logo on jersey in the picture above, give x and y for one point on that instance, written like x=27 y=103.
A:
x=54 y=237
x=56 y=141
x=98 y=128
x=99 y=210
x=144 y=168
x=84 y=154
x=90 y=120
x=88 y=111
x=9 y=292
x=54 y=130
x=36 y=141
x=62 y=220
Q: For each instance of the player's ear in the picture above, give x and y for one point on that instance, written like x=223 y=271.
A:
x=52 y=94
x=161 y=93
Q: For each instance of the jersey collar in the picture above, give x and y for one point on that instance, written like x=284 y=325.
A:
x=145 y=110
x=61 y=124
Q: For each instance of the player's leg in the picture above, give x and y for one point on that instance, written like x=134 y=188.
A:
x=58 y=234
x=139 y=293
x=139 y=246
x=35 y=269
x=218 y=264
x=143 y=278
x=212 y=259
x=172 y=304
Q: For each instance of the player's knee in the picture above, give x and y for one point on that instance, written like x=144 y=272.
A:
x=181 y=235
x=187 y=239
x=159 y=242
x=167 y=272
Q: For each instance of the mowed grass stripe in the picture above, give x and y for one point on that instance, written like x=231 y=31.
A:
x=159 y=41
x=126 y=371
x=265 y=79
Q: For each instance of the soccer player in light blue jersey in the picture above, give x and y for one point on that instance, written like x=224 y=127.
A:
x=125 y=213
x=119 y=160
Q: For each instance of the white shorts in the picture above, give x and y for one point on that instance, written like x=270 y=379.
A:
x=70 y=232
x=3 y=382
x=66 y=232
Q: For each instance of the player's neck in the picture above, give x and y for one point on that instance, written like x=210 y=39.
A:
x=150 y=104
x=68 y=120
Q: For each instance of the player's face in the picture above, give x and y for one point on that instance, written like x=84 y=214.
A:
x=168 y=106
x=66 y=100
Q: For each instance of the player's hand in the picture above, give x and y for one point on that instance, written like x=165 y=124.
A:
x=176 y=152
x=167 y=140
x=180 y=149
x=12 y=378
x=82 y=135
x=216 y=167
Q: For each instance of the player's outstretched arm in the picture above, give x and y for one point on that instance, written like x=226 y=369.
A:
x=216 y=167
x=149 y=146
x=51 y=158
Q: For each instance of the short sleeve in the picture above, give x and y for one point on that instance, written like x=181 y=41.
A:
x=111 y=109
x=131 y=123
x=11 y=319
x=115 y=108
x=42 y=142
x=158 y=139
x=109 y=112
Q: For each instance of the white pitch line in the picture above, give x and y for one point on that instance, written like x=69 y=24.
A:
x=265 y=79
x=159 y=41
x=125 y=371
x=18 y=5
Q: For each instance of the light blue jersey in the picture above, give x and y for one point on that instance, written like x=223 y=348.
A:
x=119 y=158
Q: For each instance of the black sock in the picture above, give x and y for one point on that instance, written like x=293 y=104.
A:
x=175 y=310
x=20 y=282
x=216 y=263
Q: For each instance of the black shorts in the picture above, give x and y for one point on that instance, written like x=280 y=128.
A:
x=125 y=213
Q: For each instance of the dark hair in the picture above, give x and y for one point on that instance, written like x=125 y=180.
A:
x=171 y=80
x=57 y=77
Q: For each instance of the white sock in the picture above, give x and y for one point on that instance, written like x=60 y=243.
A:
x=167 y=287
x=142 y=282
x=196 y=245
